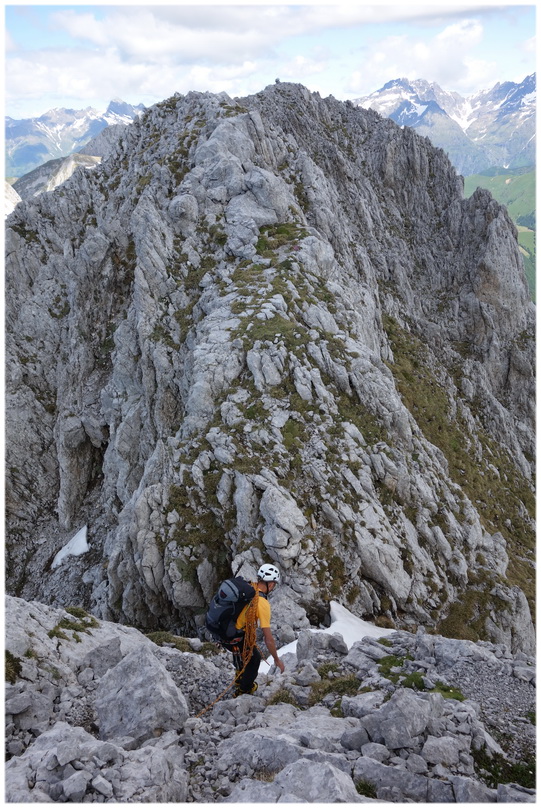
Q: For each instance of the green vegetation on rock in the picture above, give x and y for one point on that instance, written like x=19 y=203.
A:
x=494 y=769
x=481 y=467
x=161 y=638
x=12 y=668
x=83 y=623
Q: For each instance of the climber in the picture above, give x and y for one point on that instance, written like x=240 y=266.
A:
x=268 y=576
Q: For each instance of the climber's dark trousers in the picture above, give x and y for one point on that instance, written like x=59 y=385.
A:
x=249 y=676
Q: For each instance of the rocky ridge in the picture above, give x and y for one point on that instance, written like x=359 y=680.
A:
x=272 y=328
x=98 y=712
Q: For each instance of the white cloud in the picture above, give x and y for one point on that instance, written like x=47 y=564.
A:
x=81 y=26
x=530 y=45
x=300 y=68
x=445 y=58
x=164 y=33
x=146 y=53
x=91 y=76
x=94 y=77
x=218 y=33
x=11 y=45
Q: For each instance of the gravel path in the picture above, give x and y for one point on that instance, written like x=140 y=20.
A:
x=507 y=704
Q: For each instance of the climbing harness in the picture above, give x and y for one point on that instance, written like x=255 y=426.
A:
x=245 y=654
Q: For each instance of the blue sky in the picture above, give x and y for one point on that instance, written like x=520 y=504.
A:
x=84 y=55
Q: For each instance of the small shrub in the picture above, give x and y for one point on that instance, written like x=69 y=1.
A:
x=56 y=632
x=366 y=789
x=497 y=769
x=182 y=644
x=143 y=182
x=76 y=611
x=55 y=673
x=413 y=680
x=344 y=686
x=265 y=775
x=382 y=621
x=336 y=709
x=84 y=623
x=283 y=696
x=326 y=668
x=387 y=663
x=449 y=692
x=13 y=667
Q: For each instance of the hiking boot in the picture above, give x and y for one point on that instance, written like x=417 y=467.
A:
x=240 y=692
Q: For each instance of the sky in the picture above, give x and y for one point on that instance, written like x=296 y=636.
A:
x=75 y=56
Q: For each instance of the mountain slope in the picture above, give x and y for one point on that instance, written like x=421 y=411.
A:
x=494 y=127
x=272 y=329
x=11 y=198
x=504 y=123
x=58 y=132
x=51 y=174
x=48 y=176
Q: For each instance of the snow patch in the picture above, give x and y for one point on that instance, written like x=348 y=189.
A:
x=75 y=547
x=464 y=115
x=343 y=622
x=528 y=99
x=419 y=108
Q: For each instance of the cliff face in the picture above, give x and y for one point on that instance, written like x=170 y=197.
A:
x=272 y=328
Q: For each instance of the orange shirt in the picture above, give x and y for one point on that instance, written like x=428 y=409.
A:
x=263 y=613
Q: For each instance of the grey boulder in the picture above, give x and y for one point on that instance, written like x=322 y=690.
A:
x=318 y=782
x=67 y=764
x=138 y=699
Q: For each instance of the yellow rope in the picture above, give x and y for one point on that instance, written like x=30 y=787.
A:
x=250 y=643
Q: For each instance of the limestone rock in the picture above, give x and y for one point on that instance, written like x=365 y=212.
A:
x=301 y=738
x=44 y=772
x=137 y=698
x=271 y=327
x=316 y=782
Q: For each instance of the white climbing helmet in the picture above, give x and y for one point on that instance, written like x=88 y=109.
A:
x=267 y=572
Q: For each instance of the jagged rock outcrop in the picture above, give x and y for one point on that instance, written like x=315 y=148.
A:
x=52 y=174
x=403 y=718
x=272 y=328
x=101 y=145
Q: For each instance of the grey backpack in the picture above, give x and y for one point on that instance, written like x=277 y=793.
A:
x=232 y=596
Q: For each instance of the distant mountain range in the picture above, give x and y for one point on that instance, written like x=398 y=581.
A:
x=492 y=128
x=57 y=133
